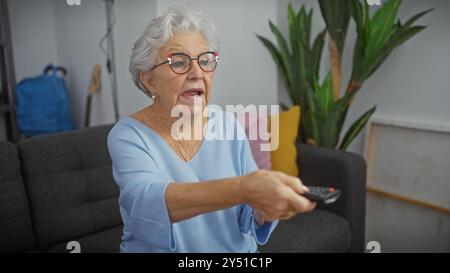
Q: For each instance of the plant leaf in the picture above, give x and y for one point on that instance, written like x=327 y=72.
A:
x=336 y=15
x=382 y=27
x=280 y=64
x=356 y=128
x=316 y=54
x=324 y=96
x=283 y=49
x=416 y=17
x=404 y=36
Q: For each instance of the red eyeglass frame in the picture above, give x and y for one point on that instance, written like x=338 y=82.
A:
x=169 y=61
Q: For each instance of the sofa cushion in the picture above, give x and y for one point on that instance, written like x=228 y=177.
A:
x=71 y=189
x=16 y=232
x=107 y=241
x=284 y=158
x=317 y=231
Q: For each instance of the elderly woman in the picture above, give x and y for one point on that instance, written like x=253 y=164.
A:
x=186 y=195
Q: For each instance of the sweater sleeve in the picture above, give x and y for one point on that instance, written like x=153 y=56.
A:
x=247 y=221
x=142 y=188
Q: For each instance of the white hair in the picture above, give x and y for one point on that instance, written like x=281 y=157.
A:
x=160 y=31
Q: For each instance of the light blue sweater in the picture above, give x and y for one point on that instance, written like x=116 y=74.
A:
x=144 y=164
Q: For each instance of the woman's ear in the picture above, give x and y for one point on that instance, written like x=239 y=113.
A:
x=146 y=81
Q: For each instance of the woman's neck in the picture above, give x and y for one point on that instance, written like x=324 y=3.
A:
x=160 y=120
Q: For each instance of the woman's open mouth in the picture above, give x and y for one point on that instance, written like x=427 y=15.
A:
x=193 y=93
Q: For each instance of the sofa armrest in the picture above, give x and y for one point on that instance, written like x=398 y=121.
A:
x=346 y=171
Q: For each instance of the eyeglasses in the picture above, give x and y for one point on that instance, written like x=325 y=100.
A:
x=181 y=63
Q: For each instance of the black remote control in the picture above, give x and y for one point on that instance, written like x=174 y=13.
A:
x=322 y=195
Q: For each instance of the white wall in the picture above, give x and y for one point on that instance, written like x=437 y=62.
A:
x=34 y=44
x=79 y=31
x=33 y=35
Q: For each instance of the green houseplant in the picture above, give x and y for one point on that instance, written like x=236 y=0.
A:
x=323 y=106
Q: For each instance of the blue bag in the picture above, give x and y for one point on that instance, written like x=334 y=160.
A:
x=43 y=104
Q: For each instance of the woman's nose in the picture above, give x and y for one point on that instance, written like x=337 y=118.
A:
x=195 y=71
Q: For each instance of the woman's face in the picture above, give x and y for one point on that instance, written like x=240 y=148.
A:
x=173 y=89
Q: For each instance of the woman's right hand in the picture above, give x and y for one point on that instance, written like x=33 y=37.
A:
x=274 y=194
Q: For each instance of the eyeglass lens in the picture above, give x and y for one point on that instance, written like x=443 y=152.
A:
x=181 y=63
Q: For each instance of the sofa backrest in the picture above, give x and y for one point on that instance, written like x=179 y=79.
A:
x=16 y=232
x=69 y=181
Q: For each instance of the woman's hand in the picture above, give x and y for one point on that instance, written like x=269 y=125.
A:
x=274 y=195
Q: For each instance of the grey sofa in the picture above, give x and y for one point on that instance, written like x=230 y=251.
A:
x=59 y=188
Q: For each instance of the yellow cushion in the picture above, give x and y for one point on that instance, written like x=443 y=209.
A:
x=284 y=158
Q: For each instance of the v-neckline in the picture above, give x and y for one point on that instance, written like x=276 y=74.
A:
x=167 y=145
